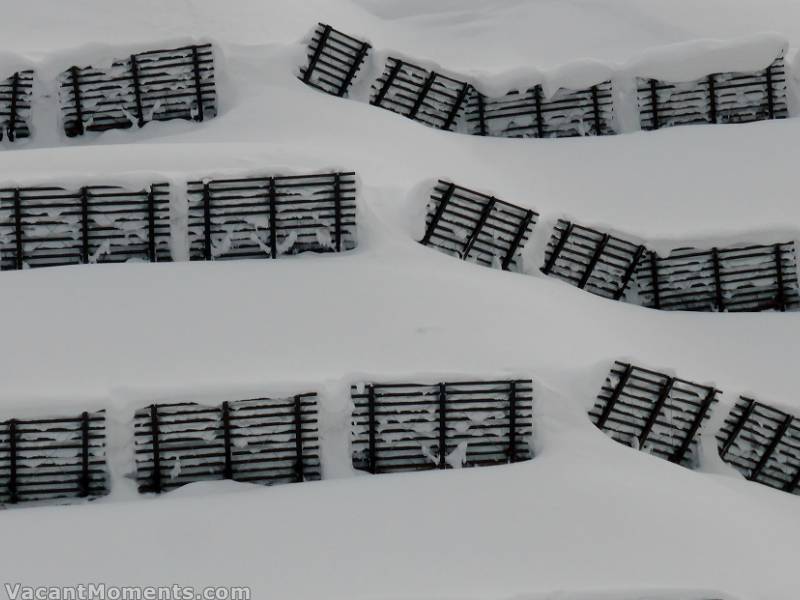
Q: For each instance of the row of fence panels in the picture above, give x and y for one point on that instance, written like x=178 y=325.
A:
x=156 y=85
x=444 y=102
x=395 y=427
x=255 y=217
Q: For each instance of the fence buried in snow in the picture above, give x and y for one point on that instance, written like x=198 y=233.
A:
x=265 y=441
x=16 y=94
x=47 y=460
x=523 y=114
x=654 y=412
x=268 y=217
x=158 y=85
x=413 y=426
x=750 y=278
x=592 y=260
x=419 y=94
x=716 y=98
x=763 y=443
x=476 y=227
x=334 y=59
x=54 y=226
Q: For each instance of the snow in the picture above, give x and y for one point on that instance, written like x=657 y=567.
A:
x=587 y=519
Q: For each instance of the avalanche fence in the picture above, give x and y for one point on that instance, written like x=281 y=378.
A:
x=16 y=95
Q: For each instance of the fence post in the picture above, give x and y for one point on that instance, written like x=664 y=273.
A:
x=84 y=480
x=151 y=224
x=712 y=97
x=593 y=261
x=478 y=226
x=273 y=216
x=451 y=116
x=423 y=93
x=512 y=249
x=551 y=261
x=197 y=84
x=326 y=32
x=654 y=102
x=481 y=114
x=137 y=93
x=654 y=277
x=537 y=99
x=651 y=418
x=299 y=467
x=85 y=225
x=717 y=279
x=337 y=199
x=20 y=245
x=12 y=113
x=227 y=469
x=376 y=101
x=780 y=293
x=351 y=73
x=512 y=422
x=678 y=456
x=154 y=431
x=442 y=425
x=626 y=278
x=373 y=450
x=770 y=92
x=746 y=412
x=596 y=107
x=773 y=444
x=612 y=400
x=76 y=93
x=448 y=193
x=206 y=221
x=13 y=496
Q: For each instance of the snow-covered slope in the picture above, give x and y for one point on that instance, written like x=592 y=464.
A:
x=587 y=516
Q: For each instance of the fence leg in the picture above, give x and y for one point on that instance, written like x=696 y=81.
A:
x=227 y=469
x=651 y=418
x=537 y=99
x=720 y=300
x=198 y=87
x=746 y=412
x=13 y=496
x=448 y=193
x=551 y=261
x=598 y=123
x=776 y=439
x=376 y=101
x=712 y=99
x=512 y=249
x=151 y=225
x=137 y=92
x=654 y=277
x=442 y=425
x=593 y=261
x=206 y=222
x=323 y=39
x=478 y=226
x=84 y=481
x=299 y=467
x=512 y=422
x=373 y=447
x=770 y=92
x=155 y=431
x=623 y=381
x=654 y=102
x=337 y=199
x=679 y=455
x=77 y=129
x=20 y=243
x=780 y=293
x=85 y=225
x=12 y=113
x=273 y=218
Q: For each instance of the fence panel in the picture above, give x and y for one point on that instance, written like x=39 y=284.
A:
x=476 y=227
x=16 y=94
x=334 y=59
x=268 y=217
x=654 y=412
x=264 y=440
x=419 y=94
x=716 y=98
x=54 y=226
x=763 y=443
x=159 y=85
x=414 y=426
x=45 y=460
x=747 y=279
x=523 y=114
x=592 y=260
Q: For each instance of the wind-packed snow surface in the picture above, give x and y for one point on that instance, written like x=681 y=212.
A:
x=587 y=519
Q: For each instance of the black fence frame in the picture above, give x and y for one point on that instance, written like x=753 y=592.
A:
x=330 y=59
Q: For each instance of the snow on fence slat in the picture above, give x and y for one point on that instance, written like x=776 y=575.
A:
x=158 y=85
x=477 y=227
x=592 y=260
x=334 y=59
x=413 y=426
x=750 y=278
x=523 y=114
x=16 y=94
x=654 y=412
x=51 y=459
x=264 y=440
x=52 y=226
x=717 y=98
x=763 y=443
x=267 y=217
x=425 y=96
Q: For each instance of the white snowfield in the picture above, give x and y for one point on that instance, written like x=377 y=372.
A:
x=587 y=519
